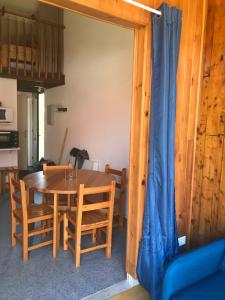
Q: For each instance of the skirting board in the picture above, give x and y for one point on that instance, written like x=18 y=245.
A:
x=114 y=289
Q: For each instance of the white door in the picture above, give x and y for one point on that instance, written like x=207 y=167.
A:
x=41 y=125
x=34 y=129
x=22 y=111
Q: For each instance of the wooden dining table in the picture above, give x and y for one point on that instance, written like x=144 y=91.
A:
x=63 y=182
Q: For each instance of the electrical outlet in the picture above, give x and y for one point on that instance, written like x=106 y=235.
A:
x=182 y=240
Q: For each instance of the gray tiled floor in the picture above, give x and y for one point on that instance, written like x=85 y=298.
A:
x=44 y=277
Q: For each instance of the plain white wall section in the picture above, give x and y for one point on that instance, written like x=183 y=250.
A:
x=98 y=92
x=8 y=97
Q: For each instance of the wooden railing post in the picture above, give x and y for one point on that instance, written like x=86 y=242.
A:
x=24 y=37
x=52 y=44
x=46 y=50
x=59 y=53
x=1 y=42
x=17 y=45
x=8 y=44
x=39 y=56
x=32 y=49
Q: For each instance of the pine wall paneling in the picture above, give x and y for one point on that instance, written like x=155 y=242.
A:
x=208 y=207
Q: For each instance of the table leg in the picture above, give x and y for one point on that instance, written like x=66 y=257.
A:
x=55 y=226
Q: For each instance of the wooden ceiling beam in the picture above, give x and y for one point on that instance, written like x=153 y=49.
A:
x=112 y=11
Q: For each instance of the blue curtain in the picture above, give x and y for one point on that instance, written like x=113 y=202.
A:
x=159 y=242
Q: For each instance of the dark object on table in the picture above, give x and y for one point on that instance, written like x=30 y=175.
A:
x=80 y=156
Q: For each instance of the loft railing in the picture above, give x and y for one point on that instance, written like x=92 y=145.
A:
x=30 y=48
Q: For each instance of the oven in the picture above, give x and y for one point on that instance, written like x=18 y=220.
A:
x=9 y=139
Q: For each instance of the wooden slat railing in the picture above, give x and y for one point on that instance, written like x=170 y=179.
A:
x=0 y=43
x=30 y=48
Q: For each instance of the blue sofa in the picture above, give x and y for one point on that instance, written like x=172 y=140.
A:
x=197 y=274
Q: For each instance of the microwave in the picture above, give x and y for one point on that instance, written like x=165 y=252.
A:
x=6 y=115
x=9 y=139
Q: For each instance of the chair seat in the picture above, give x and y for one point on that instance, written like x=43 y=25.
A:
x=210 y=288
x=89 y=218
x=34 y=211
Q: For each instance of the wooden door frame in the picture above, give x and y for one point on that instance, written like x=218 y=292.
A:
x=130 y=17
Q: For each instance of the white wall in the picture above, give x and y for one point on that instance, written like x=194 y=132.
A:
x=8 y=97
x=98 y=69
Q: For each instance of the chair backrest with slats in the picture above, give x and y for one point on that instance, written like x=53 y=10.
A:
x=121 y=175
x=107 y=204
x=18 y=197
x=58 y=167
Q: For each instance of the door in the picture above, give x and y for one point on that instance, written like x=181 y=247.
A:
x=23 y=124
x=41 y=125
x=34 y=128
x=27 y=126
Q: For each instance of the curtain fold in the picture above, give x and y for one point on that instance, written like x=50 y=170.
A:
x=159 y=242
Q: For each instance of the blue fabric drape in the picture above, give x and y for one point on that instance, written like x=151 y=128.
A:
x=159 y=239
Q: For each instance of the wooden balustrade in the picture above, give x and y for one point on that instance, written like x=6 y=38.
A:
x=31 y=49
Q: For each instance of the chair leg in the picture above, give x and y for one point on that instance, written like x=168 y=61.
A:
x=99 y=236
x=25 y=243
x=68 y=201
x=120 y=222
x=3 y=182
x=120 y=214
x=58 y=240
x=94 y=236
x=44 y=225
x=108 y=241
x=13 y=231
x=65 y=233
x=55 y=226
x=77 y=249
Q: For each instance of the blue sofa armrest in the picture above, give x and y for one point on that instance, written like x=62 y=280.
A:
x=191 y=267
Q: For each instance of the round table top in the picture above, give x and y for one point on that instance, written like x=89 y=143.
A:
x=60 y=182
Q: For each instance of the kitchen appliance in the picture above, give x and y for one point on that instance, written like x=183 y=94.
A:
x=6 y=115
x=9 y=139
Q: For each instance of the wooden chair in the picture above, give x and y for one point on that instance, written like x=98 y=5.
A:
x=65 y=201
x=27 y=215
x=88 y=218
x=55 y=168
x=5 y=172
x=121 y=187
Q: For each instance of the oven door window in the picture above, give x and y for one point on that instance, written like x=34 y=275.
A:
x=4 y=138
